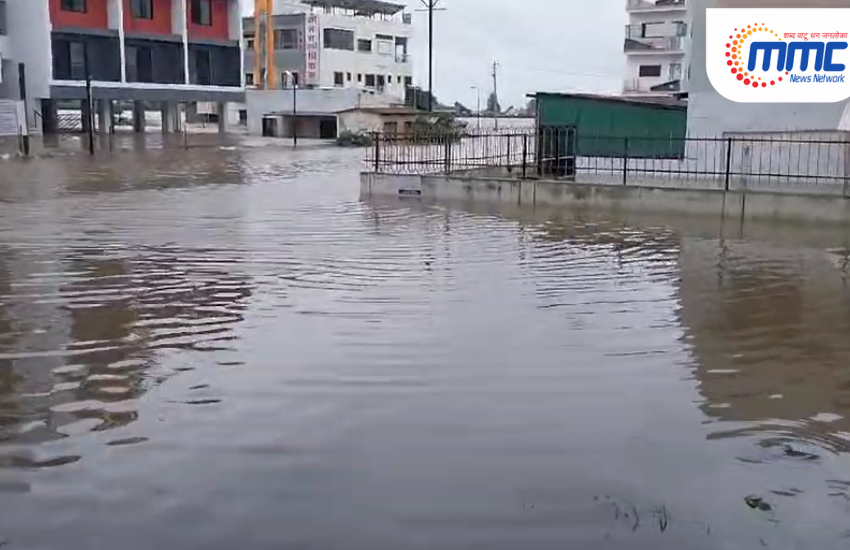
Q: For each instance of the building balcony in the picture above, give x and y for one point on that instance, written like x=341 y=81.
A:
x=212 y=65
x=76 y=55
x=655 y=5
x=672 y=41
x=639 y=86
x=402 y=58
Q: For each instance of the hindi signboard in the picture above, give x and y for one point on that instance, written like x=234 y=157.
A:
x=312 y=47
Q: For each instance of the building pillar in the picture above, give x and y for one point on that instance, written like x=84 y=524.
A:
x=177 y=117
x=104 y=116
x=222 y=117
x=86 y=115
x=165 y=116
x=138 y=116
x=48 y=117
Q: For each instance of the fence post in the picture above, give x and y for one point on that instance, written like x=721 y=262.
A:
x=524 y=154
x=448 y=155
x=625 y=161
x=728 y=162
x=509 y=153
x=376 y=140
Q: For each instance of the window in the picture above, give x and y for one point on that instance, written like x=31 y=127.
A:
x=381 y=81
x=77 y=60
x=370 y=81
x=649 y=70
x=391 y=127
x=338 y=79
x=285 y=39
x=364 y=45
x=338 y=39
x=359 y=77
x=3 y=17
x=139 y=63
x=74 y=5
x=201 y=13
x=249 y=79
x=400 y=80
x=249 y=40
x=348 y=77
x=203 y=68
x=408 y=81
x=141 y=9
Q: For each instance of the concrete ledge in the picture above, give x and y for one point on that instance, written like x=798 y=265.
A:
x=739 y=204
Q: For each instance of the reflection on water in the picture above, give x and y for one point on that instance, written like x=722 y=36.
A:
x=225 y=348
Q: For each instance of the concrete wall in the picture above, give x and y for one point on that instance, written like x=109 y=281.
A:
x=710 y=114
x=644 y=199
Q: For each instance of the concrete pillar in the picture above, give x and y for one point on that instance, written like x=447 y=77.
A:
x=222 y=117
x=177 y=117
x=48 y=117
x=104 y=116
x=86 y=115
x=165 y=116
x=138 y=116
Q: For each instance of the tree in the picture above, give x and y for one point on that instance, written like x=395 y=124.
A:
x=462 y=110
x=493 y=104
x=531 y=107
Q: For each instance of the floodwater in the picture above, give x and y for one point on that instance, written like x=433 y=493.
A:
x=226 y=348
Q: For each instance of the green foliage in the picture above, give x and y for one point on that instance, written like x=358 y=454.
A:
x=354 y=139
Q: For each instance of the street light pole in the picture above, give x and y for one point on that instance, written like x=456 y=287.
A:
x=431 y=6
x=290 y=76
x=477 y=105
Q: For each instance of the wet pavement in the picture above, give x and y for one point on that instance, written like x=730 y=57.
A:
x=225 y=348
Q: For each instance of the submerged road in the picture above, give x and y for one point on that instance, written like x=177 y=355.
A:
x=225 y=348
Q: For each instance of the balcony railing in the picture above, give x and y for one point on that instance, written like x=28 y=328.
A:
x=633 y=85
x=402 y=57
x=2 y=17
x=655 y=5
x=672 y=42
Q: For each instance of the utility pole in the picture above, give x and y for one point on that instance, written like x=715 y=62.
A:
x=431 y=6
x=495 y=95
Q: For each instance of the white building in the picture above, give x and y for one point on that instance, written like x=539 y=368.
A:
x=165 y=51
x=362 y=44
x=710 y=114
x=656 y=47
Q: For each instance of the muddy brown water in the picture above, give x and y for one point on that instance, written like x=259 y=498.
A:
x=227 y=348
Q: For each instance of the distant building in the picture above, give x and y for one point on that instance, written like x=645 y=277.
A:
x=656 y=47
x=391 y=120
x=168 y=51
x=362 y=44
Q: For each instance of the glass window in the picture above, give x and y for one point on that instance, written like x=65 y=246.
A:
x=370 y=81
x=249 y=79
x=77 y=56
x=141 y=9
x=285 y=39
x=364 y=45
x=338 y=81
x=201 y=12
x=338 y=39
x=649 y=70
x=74 y=5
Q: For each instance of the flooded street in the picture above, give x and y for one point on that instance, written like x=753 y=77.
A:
x=225 y=348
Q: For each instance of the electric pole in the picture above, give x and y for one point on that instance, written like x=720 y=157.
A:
x=431 y=6
x=495 y=95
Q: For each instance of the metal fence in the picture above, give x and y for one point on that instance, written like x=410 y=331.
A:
x=817 y=162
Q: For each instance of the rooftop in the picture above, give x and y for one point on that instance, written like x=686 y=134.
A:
x=392 y=110
x=662 y=102
x=361 y=7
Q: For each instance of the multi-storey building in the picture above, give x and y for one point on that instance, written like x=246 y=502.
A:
x=361 y=44
x=169 y=51
x=656 y=47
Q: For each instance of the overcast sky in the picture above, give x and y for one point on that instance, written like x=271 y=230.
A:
x=541 y=45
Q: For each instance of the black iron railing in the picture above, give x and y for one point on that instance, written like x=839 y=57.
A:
x=816 y=161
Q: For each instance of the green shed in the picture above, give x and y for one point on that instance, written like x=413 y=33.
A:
x=606 y=126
